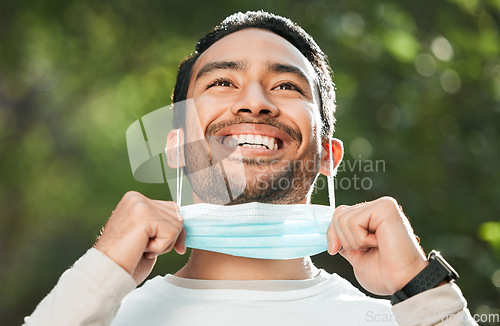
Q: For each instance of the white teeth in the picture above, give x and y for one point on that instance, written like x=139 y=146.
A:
x=257 y=139
x=241 y=139
x=271 y=142
x=252 y=141
x=253 y=146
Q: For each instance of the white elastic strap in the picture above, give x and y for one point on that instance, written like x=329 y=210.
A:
x=331 y=186
x=178 y=172
x=180 y=187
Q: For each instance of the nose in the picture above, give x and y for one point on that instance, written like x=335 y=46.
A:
x=253 y=101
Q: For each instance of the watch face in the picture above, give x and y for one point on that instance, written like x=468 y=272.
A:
x=433 y=254
x=452 y=274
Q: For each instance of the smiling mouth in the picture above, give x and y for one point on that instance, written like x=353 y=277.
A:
x=252 y=141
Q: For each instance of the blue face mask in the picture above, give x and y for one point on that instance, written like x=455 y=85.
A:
x=257 y=230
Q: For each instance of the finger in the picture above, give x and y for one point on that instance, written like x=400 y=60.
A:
x=343 y=234
x=180 y=244
x=340 y=221
x=336 y=240
x=358 y=229
x=379 y=219
x=334 y=244
x=355 y=224
x=163 y=237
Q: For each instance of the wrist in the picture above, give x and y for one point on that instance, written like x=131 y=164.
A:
x=437 y=272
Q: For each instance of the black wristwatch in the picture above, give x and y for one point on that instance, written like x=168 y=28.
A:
x=437 y=271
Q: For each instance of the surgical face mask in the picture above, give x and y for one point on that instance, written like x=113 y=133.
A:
x=257 y=230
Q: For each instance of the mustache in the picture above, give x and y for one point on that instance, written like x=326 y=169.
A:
x=215 y=127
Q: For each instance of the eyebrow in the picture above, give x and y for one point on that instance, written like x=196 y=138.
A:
x=281 y=68
x=222 y=65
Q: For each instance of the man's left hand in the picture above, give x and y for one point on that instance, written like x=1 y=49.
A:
x=378 y=241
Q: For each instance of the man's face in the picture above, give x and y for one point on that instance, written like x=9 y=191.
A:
x=257 y=105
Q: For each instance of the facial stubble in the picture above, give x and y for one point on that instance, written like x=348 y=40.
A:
x=214 y=179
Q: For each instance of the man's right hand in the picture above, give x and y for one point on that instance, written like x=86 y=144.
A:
x=139 y=230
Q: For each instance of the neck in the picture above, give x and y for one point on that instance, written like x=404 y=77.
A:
x=208 y=265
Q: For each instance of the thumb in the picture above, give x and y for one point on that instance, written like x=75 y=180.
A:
x=143 y=268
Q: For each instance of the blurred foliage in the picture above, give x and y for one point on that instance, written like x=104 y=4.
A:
x=490 y=231
x=418 y=89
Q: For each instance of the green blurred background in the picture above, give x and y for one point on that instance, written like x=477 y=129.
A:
x=418 y=89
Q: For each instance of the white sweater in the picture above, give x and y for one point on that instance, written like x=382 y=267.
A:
x=91 y=292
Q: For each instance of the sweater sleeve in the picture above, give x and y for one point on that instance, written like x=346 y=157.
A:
x=89 y=293
x=443 y=306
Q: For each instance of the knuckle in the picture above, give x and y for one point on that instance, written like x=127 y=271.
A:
x=392 y=208
x=361 y=242
x=132 y=196
x=341 y=207
x=174 y=207
x=140 y=208
x=175 y=218
x=389 y=202
x=178 y=223
x=170 y=204
x=344 y=221
x=339 y=212
x=179 y=219
x=137 y=204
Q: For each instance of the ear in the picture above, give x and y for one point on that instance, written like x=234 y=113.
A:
x=172 y=149
x=338 y=153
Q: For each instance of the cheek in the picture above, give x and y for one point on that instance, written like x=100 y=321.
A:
x=305 y=117
x=313 y=119
x=208 y=108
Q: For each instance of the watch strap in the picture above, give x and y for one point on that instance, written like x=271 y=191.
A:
x=437 y=271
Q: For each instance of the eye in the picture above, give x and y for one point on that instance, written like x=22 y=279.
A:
x=222 y=82
x=288 y=86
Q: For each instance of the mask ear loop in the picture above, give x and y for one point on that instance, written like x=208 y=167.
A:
x=331 y=187
x=178 y=173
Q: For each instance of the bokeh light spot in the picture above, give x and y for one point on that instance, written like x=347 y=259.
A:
x=450 y=81
x=352 y=23
x=425 y=65
x=495 y=278
x=360 y=147
x=442 y=49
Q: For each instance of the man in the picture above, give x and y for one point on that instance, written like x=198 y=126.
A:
x=254 y=74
